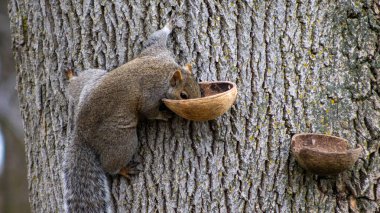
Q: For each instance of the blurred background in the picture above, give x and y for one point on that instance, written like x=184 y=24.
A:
x=13 y=182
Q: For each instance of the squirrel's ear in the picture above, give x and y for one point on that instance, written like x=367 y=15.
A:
x=188 y=68
x=176 y=78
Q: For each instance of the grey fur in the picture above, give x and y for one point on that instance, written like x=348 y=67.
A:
x=85 y=183
x=160 y=37
x=80 y=86
x=108 y=108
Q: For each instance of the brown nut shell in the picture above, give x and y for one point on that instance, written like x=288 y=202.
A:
x=323 y=154
x=217 y=98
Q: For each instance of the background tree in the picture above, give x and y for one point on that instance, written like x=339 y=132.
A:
x=300 y=66
x=13 y=183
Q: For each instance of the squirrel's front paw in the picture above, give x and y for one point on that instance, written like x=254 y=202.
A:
x=133 y=168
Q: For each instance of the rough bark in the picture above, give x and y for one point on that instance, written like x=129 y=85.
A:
x=13 y=183
x=300 y=66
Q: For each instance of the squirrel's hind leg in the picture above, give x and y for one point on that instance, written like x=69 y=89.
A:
x=133 y=168
x=116 y=155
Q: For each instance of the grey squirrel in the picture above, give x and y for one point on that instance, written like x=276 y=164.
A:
x=108 y=106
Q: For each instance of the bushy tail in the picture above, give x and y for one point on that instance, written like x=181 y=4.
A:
x=85 y=188
x=81 y=85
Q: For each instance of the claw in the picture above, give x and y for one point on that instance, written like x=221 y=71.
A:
x=133 y=168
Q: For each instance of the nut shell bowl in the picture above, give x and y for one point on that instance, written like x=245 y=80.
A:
x=323 y=154
x=217 y=98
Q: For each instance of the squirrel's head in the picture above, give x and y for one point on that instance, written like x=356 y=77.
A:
x=183 y=85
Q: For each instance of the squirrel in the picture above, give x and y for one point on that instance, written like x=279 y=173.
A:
x=107 y=108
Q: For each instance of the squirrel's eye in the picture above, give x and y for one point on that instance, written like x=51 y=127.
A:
x=184 y=95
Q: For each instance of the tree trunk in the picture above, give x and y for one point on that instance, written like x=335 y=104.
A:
x=13 y=183
x=300 y=66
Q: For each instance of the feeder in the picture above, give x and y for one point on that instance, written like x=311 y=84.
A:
x=323 y=154
x=217 y=98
